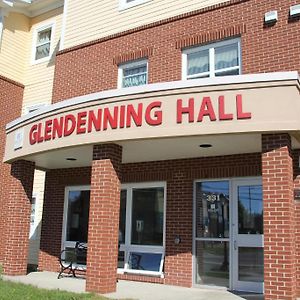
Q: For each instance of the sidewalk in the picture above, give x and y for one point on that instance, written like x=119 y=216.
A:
x=127 y=289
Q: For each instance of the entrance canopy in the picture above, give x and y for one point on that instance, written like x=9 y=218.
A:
x=161 y=121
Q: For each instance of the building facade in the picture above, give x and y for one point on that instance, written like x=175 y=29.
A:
x=171 y=144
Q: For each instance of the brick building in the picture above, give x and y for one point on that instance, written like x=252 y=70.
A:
x=171 y=145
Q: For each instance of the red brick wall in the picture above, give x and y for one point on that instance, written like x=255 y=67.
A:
x=179 y=175
x=18 y=208
x=104 y=219
x=296 y=156
x=279 y=217
x=92 y=67
x=11 y=95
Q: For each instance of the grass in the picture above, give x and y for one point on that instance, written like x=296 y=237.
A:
x=18 y=291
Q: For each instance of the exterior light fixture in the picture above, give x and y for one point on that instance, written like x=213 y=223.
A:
x=271 y=17
x=295 y=11
x=205 y=145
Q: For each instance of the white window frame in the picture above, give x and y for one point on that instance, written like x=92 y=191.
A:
x=132 y=64
x=64 y=243
x=211 y=47
x=34 y=42
x=33 y=227
x=127 y=247
x=123 y=4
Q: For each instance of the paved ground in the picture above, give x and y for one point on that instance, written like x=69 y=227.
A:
x=129 y=289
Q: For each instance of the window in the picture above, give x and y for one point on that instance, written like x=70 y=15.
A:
x=133 y=74
x=76 y=216
x=33 y=227
x=124 y=4
x=42 y=43
x=141 y=229
x=218 y=59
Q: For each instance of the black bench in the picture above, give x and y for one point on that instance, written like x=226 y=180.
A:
x=73 y=259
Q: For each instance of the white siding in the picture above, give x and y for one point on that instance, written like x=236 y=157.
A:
x=101 y=18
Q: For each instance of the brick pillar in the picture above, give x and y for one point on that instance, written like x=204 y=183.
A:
x=104 y=219
x=279 y=217
x=18 y=218
x=178 y=260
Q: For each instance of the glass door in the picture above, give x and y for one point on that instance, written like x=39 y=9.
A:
x=212 y=239
x=247 y=266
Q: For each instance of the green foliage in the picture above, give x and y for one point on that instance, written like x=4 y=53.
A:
x=18 y=291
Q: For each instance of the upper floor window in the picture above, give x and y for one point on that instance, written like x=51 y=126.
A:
x=133 y=74
x=217 y=59
x=42 y=43
x=124 y=4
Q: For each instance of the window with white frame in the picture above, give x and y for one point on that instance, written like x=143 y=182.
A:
x=76 y=216
x=212 y=60
x=133 y=74
x=33 y=227
x=43 y=43
x=141 y=229
x=124 y=4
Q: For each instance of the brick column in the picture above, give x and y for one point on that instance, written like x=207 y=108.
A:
x=18 y=218
x=279 y=217
x=104 y=219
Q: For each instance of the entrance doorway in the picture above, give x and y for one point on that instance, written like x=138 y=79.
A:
x=228 y=234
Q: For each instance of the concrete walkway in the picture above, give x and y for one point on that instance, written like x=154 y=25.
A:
x=126 y=289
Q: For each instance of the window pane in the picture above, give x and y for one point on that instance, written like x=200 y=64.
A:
x=78 y=216
x=44 y=36
x=135 y=76
x=144 y=261
x=226 y=56
x=121 y=259
x=250 y=209
x=228 y=73
x=147 y=216
x=212 y=209
x=198 y=62
x=42 y=51
x=251 y=264
x=212 y=260
x=122 y=219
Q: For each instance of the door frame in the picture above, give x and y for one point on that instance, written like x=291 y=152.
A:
x=242 y=240
x=232 y=268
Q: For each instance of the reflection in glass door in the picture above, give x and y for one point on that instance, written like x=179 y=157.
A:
x=247 y=252
x=212 y=233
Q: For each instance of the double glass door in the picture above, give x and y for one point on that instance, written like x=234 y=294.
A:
x=229 y=234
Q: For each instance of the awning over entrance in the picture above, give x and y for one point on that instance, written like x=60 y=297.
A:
x=161 y=121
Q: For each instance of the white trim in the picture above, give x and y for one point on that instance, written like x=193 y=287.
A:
x=41 y=27
x=123 y=4
x=155 y=87
x=129 y=65
x=65 y=243
x=127 y=247
x=63 y=26
x=1 y=25
x=211 y=48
